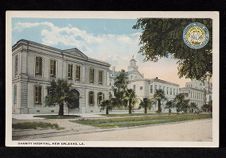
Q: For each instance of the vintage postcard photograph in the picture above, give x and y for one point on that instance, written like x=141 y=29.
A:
x=112 y=79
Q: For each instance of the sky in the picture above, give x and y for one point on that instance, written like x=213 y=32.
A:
x=110 y=40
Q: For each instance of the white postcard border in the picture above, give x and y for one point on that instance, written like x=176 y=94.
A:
x=112 y=15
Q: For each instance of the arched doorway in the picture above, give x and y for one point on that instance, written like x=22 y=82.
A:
x=74 y=103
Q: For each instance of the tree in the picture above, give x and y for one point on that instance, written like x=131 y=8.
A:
x=163 y=38
x=159 y=96
x=169 y=105
x=181 y=103
x=207 y=107
x=193 y=107
x=106 y=104
x=120 y=89
x=60 y=93
x=130 y=99
x=146 y=103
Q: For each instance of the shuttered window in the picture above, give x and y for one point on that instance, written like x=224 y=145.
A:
x=38 y=66
x=91 y=98
x=100 y=77
x=37 y=94
x=70 y=71
x=91 y=75
x=52 y=68
x=78 y=73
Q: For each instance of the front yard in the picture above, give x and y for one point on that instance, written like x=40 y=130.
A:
x=126 y=120
x=36 y=125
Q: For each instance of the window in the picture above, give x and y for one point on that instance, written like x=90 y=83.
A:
x=173 y=91
x=91 y=75
x=100 y=98
x=16 y=65
x=160 y=87
x=77 y=73
x=167 y=90
x=91 y=98
x=38 y=94
x=155 y=88
x=100 y=77
x=134 y=87
x=38 y=66
x=141 y=87
x=70 y=71
x=170 y=91
x=151 y=89
x=52 y=68
x=15 y=94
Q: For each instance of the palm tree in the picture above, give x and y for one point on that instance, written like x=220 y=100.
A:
x=169 y=105
x=207 y=107
x=60 y=93
x=159 y=96
x=131 y=99
x=106 y=104
x=193 y=107
x=181 y=103
x=146 y=103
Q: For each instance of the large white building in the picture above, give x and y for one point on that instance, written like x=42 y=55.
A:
x=35 y=65
x=145 y=88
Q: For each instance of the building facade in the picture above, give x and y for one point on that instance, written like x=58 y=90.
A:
x=199 y=92
x=36 y=65
x=145 y=88
x=194 y=95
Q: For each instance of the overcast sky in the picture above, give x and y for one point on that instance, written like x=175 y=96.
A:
x=110 y=40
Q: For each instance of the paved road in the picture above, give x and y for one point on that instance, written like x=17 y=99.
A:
x=198 y=130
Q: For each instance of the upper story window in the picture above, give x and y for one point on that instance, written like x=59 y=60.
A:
x=70 y=71
x=15 y=94
x=141 y=87
x=151 y=89
x=100 y=77
x=78 y=73
x=155 y=88
x=170 y=91
x=52 y=68
x=38 y=66
x=38 y=94
x=16 y=65
x=167 y=90
x=91 y=98
x=91 y=75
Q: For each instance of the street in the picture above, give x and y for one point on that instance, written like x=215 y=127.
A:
x=198 y=130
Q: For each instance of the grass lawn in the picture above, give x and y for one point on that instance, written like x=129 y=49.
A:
x=36 y=125
x=57 y=116
x=133 y=114
x=142 y=120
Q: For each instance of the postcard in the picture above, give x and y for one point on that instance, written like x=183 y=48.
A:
x=112 y=79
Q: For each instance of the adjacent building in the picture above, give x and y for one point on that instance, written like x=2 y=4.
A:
x=145 y=88
x=198 y=92
x=36 y=65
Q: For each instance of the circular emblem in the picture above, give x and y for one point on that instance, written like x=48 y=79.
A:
x=196 y=35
